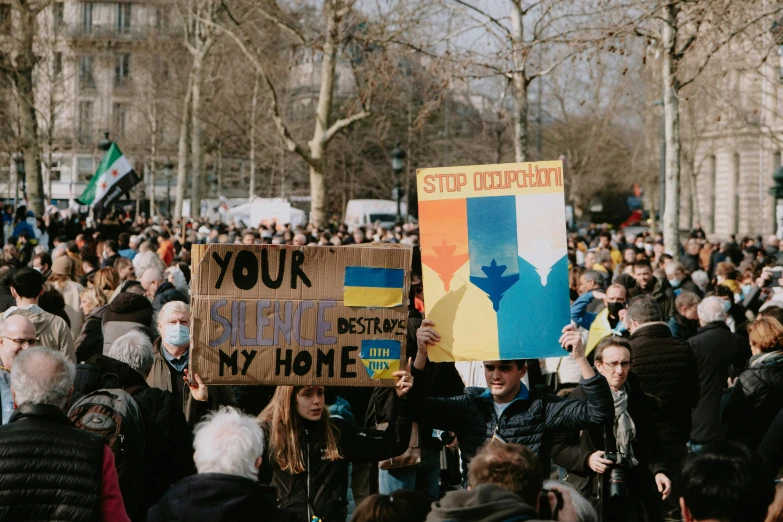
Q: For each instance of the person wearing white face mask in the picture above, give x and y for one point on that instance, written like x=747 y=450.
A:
x=170 y=369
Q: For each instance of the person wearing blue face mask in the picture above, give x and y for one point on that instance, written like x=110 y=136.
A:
x=170 y=369
x=680 y=281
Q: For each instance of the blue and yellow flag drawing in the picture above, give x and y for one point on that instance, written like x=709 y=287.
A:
x=373 y=287
x=381 y=357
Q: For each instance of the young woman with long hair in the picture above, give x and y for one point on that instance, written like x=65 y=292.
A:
x=309 y=451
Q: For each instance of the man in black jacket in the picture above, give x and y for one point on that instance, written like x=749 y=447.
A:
x=49 y=469
x=507 y=410
x=716 y=348
x=160 y=290
x=229 y=448
x=667 y=370
x=630 y=435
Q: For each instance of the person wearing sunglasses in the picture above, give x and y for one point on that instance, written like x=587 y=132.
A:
x=17 y=333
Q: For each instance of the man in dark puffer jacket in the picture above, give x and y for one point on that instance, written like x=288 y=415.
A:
x=667 y=370
x=49 y=469
x=507 y=410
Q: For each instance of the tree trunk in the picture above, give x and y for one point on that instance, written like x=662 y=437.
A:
x=22 y=77
x=323 y=112
x=196 y=154
x=671 y=87
x=153 y=154
x=182 y=153
x=253 y=106
x=520 y=83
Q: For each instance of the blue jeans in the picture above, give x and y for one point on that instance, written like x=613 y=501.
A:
x=424 y=477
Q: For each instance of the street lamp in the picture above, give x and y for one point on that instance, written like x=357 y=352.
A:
x=398 y=163
x=167 y=171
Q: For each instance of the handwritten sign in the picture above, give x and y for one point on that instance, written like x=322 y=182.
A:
x=495 y=270
x=277 y=314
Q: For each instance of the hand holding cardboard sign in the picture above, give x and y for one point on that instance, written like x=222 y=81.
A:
x=425 y=335
x=197 y=387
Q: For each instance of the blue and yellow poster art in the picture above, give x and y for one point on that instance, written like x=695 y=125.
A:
x=494 y=260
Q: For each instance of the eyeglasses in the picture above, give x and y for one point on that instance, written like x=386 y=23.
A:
x=22 y=342
x=622 y=364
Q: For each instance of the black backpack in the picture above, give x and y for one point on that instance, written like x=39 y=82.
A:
x=113 y=414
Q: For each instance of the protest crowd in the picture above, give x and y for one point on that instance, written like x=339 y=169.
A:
x=667 y=406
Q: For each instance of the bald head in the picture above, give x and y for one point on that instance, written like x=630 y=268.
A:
x=300 y=240
x=16 y=334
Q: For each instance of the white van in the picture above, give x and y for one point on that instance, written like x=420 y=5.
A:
x=364 y=212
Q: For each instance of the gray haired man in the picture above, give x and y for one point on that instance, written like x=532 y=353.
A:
x=49 y=469
x=716 y=349
x=228 y=452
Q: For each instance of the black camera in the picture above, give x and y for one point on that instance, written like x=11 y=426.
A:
x=617 y=485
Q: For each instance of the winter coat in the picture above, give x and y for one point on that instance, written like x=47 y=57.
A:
x=160 y=377
x=485 y=502
x=572 y=450
x=716 y=348
x=51 y=330
x=748 y=407
x=71 y=292
x=126 y=312
x=6 y=298
x=531 y=419
x=662 y=293
x=667 y=370
x=325 y=482
x=217 y=497
x=681 y=327
x=168 y=440
x=165 y=294
x=90 y=340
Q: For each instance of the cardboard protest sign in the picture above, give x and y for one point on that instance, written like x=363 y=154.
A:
x=493 y=251
x=299 y=315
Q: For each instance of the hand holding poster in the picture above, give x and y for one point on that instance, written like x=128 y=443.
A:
x=299 y=315
x=495 y=269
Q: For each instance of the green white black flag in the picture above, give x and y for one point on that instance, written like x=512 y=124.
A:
x=114 y=177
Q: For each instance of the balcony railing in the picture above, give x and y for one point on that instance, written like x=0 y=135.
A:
x=113 y=31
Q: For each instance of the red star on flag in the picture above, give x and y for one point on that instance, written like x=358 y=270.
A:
x=103 y=185
x=114 y=173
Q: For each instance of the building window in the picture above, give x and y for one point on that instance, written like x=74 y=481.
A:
x=5 y=19
x=87 y=18
x=85 y=167
x=736 y=201
x=161 y=19
x=85 y=122
x=122 y=69
x=123 y=18
x=119 y=119
x=59 y=13
x=57 y=66
x=86 y=78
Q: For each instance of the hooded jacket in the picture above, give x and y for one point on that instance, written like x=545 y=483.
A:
x=51 y=330
x=749 y=407
x=531 y=419
x=485 y=502
x=126 y=312
x=217 y=497
x=166 y=293
x=90 y=340
x=667 y=370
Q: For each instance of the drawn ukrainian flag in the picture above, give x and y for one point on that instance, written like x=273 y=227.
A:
x=373 y=287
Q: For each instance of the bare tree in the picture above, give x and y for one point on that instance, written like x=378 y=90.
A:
x=20 y=64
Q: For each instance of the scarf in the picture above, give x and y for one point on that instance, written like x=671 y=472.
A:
x=624 y=428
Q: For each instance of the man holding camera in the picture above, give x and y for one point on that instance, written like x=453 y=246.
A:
x=615 y=465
